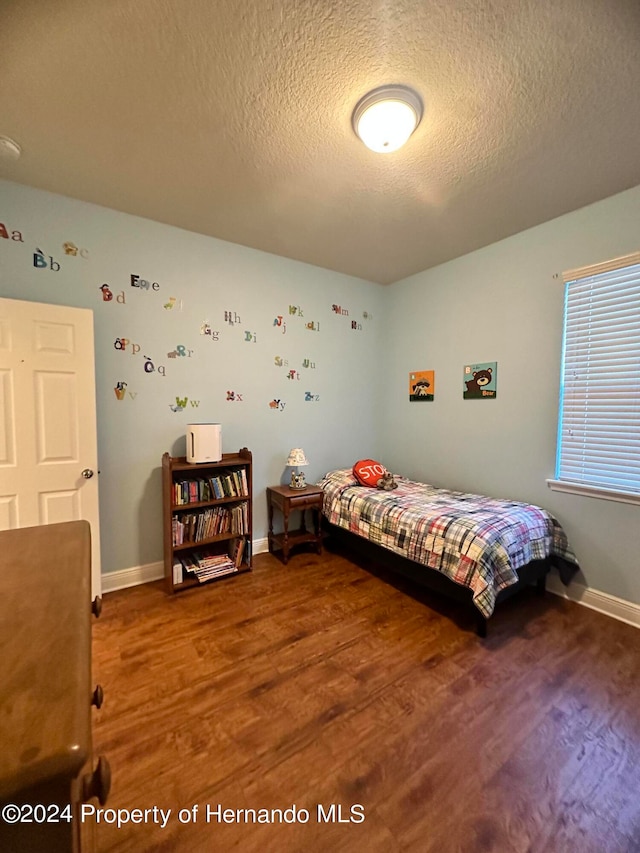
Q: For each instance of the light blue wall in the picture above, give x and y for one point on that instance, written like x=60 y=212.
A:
x=206 y=277
x=501 y=303
x=504 y=303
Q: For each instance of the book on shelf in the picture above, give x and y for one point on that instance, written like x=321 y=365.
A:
x=215 y=488
x=207 y=523
x=236 y=550
x=209 y=574
x=187 y=564
x=207 y=566
x=177 y=531
x=196 y=491
x=229 y=484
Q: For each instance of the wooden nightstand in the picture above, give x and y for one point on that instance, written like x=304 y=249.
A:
x=287 y=500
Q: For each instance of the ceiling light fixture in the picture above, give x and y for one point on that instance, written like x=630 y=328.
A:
x=9 y=149
x=386 y=117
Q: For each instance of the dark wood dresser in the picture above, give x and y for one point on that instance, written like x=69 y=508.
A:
x=46 y=691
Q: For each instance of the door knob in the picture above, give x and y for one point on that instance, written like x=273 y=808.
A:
x=87 y=473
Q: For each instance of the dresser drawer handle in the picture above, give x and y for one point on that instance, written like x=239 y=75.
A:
x=98 y=783
x=96 y=606
x=98 y=696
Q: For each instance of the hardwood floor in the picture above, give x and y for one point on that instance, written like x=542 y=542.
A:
x=322 y=683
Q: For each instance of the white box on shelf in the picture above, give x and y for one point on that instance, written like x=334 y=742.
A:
x=204 y=443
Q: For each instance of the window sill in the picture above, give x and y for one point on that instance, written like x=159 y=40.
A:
x=593 y=492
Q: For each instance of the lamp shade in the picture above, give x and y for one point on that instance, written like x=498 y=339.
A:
x=297 y=457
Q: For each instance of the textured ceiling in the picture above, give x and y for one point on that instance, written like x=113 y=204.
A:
x=232 y=118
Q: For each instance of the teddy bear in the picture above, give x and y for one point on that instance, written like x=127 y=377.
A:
x=386 y=482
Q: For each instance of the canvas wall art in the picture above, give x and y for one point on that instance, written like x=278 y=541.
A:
x=422 y=385
x=480 y=381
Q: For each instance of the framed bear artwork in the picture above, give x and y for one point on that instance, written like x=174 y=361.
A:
x=480 y=381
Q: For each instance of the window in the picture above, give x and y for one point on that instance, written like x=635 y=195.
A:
x=599 y=424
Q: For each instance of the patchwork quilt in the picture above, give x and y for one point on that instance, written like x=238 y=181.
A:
x=477 y=541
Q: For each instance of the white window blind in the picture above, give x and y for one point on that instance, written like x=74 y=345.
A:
x=599 y=426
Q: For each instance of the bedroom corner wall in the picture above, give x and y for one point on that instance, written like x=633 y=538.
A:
x=281 y=353
x=504 y=303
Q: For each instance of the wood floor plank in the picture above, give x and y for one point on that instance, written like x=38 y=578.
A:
x=321 y=683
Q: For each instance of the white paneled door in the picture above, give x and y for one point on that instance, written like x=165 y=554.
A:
x=48 y=444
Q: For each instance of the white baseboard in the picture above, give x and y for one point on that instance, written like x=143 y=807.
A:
x=124 y=578
x=260 y=546
x=610 y=605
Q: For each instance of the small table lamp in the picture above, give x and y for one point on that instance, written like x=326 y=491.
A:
x=297 y=458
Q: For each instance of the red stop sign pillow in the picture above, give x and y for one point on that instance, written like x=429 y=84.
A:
x=367 y=472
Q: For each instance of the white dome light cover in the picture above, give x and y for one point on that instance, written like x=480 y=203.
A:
x=9 y=148
x=385 y=118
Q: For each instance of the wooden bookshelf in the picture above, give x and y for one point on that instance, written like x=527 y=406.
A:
x=207 y=519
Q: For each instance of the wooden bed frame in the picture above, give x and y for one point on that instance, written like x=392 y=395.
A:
x=534 y=572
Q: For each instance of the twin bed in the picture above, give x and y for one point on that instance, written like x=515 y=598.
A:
x=472 y=547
